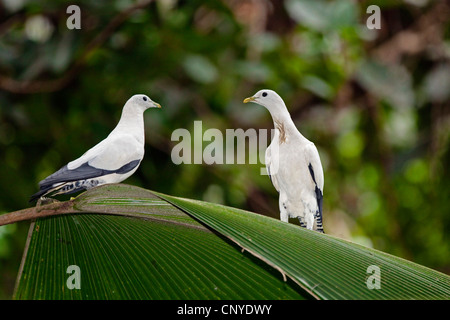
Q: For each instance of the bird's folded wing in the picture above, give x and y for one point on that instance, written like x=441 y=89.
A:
x=116 y=152
x=113 y=155
x=316 y=172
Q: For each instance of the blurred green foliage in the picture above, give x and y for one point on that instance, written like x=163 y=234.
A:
x=375 y=102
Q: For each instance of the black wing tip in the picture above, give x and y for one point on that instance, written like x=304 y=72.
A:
x=311 y=172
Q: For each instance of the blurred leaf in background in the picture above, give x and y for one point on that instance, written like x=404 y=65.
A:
x=375 y=102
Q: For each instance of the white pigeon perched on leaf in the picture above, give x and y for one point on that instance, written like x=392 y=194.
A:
x=110 y=161
x=293 y=165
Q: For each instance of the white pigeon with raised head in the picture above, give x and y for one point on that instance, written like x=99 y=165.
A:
x=293 y=165
x=110 y=161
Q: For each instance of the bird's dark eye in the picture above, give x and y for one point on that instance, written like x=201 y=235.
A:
x=145 y=98
x=264 y=94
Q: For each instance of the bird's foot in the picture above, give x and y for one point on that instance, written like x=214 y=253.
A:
x=45 y=200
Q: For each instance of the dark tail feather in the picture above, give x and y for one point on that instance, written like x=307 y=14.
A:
x=320 y=228
x=319 y=225
x=38 y=194
x=44 y=190
x=62 y=189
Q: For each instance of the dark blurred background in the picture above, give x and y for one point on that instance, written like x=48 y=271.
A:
x=375 y=102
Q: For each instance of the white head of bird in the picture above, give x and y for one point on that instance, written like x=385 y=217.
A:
x=141 y=102
x=277 y=108
x=132 y=113
x=270 y=100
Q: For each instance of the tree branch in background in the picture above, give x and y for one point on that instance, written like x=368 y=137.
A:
x=427 y=31
x=27 y=87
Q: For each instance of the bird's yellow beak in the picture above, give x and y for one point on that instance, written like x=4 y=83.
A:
x=157 y=105
x=249 y=99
